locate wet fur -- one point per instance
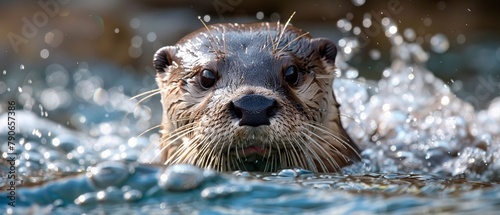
(197, 126)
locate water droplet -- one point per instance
(461, 39)
(410, 34)
(54, 38)
(260, 15)
(427, 22)
(21, 67)
(358, 2)
(181, 177)
(391, 30)
(206, 18)
(356, 30)
(117, 30)
(134, 52)
(5, 72)
(445, 100)
(374, 54)
(151, 36)
(136, 41)
(352, 73)
(274, 17)
(135, 23)
(367, 20)
(386, 21)
(44, 53)
(439, 43)
(441, 5)
(344, 25)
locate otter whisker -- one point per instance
(181, 147)
(289, 43)
(298, 159)
(179, 133)
(313, 155)
(150, 92)
(179, 156)
(342, 140)
(148, 130)
(323, 150)
(212, 157)
(213, 39)
(283, 31)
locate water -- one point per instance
(424, 149)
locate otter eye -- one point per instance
(207, 78)
(292, 75)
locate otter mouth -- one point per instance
(256, 158)
(253, 150)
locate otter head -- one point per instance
(251, 97)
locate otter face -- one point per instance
(254, 97)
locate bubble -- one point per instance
(52, 99)
(367, 20)
(391, 30)
(132, 195)
(461, 39)
(275, 17)
(427, 21)
(349, 16)
(347, 50)
(386, 21)
(56, 76)
(344, 25)
(117, 30)
(260, 15)
(108, 173)
(398, 40)
(54, 38)
(358, 2)
(439, 43)
(374, 54)
(101, 96)
(386, 73)
(151, 36)
(136, 41)
(352, 73)
(206, 18)
(44, 53)
(445, 100)
(410, 34)
(135, 23)
(356, 30)
(134, 52)
(181, 177)
(441, 5)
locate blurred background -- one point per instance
(123, 35)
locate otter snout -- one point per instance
(253, 110)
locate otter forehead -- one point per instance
(252, 54)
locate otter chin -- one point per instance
(254, 97)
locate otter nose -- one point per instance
(254, 110)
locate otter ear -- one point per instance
(163, 58)
(326, 49)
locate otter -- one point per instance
(253, 97)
